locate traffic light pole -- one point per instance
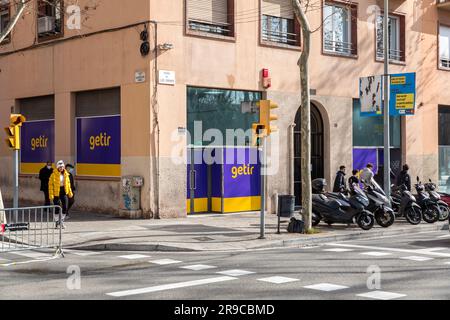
(387, 156)
(16, 178)
(262, 234)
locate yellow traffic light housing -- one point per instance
(265, 117)
(258, 131)
(17, 119)
(13, 137)
(13, 131)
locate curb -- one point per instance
(304, 241)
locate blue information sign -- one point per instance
(402, 94)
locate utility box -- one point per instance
(131, 197)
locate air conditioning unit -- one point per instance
(46, 24)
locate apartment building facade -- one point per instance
(121, 105)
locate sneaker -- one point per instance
(63, 226)
(57, 225)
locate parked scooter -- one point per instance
(332, 210)
(431, 187)
(405, 205)
(430, 209)
(380, 205)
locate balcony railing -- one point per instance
(445, 62)
(210, 27)
(443, 4)
(279, 37)
(394, 55)
(339, 47)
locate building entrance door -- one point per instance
(317, 150)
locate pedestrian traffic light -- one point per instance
(13, 131)
(265, 117)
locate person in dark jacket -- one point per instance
(71, 169)
(354, 178)
(339, 183)
(44, 176)
(404, 178)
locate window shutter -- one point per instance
(211, 11)
(354, 29)
(38, 108)
(402, 38)
(277, 8)
(444, 42)
(298, 32)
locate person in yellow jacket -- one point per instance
(60, 191)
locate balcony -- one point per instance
(443, 4)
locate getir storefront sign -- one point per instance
(99, 146)
(38, 145)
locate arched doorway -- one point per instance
(317, 149)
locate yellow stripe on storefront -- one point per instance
(200, 205)
(99, 170)
(31, 168)
(240, 204)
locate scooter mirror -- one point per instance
(417, 179)
(429, 180)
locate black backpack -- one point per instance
(296, 226)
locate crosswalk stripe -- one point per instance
(235, 272)
(134, 256)
(198, 267)
(338, 250)
(278, 280)
(355, 246)
(376, 254)
(165, 261)
(381, 295)
(171, 286)
(326, 287)
(416, 258)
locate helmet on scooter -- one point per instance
(319, 184)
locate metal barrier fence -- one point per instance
(30, 228)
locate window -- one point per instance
(444, 47)
(339, 29)
(50, 18)
(211, 16)
(396, 31)
(278, 24)
(444, 148)
(4, 16)
(219, 110)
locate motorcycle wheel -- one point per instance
(385, 218)
(365, 221)
(413, 215)
(445, 211)
(316, 219)
(431, 214)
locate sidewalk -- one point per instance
(233, 232)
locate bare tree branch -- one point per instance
(20, 8)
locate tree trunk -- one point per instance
(303, 64)
(19, 10)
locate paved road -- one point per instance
(411, 267)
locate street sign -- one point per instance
(371, 96)
(402, 94)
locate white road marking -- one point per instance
(278, 280)
(448, 262)
(170, 286)
(338, 250)
(437, 254)
(198, 267)
(325, 287)
(82, 253)
(29, 261)
(376, 254)
(134, 256)
(33, 255)
(431, 249)
(416, 258)
(381, 295)
(235, 272)
(444, 236)
(164, 262)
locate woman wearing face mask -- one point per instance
(71, 170)
(60, 192)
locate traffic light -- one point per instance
(258, 131)
(265, 117)
(13, 131)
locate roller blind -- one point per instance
(444, 42)
(97, 103)
(277, 8)
(212, 11)
(38, 108)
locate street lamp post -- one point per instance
(387, 157)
